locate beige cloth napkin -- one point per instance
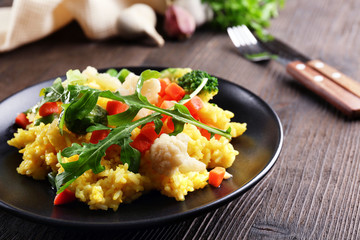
(30, 20)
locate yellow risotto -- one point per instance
(108, 138)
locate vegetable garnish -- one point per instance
(48, 108)
(192, 81)
(64, 197)
(216, 176)
(22, 120)
(80, 113)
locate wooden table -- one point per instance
(313, 191)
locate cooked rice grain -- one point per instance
(211, 152)
(39, 146)
(109, 188)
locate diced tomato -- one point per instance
(141, 143)
(48, 108)
(205, 133)
(64, 197)
(114, 107)
(98, 135)
(216, 176)
(194, 105)
(22, 120)
(145, 138)
(168, 125)
(174, 91)
(149, 131)
(163, 84)
(113, 149)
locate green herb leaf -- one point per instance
(255, 14)
(83, 112)
(52, 93)
(47, 119)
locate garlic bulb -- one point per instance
(139, 20)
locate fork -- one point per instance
(248, 46)
(335, 87)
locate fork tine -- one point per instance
(249, 35)
(235, 38)
(247, 44)
(232, 36)
(241, 34)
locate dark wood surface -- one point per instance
(313, 191)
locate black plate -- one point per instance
(259, 149)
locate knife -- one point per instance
(334, 86)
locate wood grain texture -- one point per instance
(313, 191)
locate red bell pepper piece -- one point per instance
(22, 120)
(216, 176)
(114, 107)
(98, 135)
(194, 105)
(64, 197)
(174, 91)
(48, 108)
(163, 84)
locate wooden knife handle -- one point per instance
(336, 95)
(336, 76)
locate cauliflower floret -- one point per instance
(150, 90)
(130, 83)
(169, 153)
(104, 80)
(123, 91)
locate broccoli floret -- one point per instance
(190, 81)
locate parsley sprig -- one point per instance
(256, 14)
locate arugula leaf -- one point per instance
(84, 112)
(52, 93)
(90, 154)
(120, 118)
(57, 92)
(47, 119)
